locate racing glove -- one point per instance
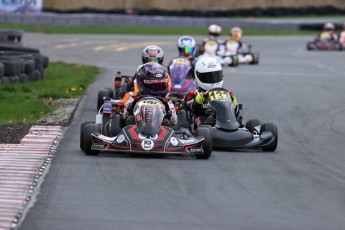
(199, 98)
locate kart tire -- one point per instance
(89, 129)
(274, 130)
(310, 46)
(234, 61)
(256, 58)
(250, 125)
(205, 131)
(115, 126)
(82, 130)
(101, 94)
(111, 92)
(105, 124)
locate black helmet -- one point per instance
(152, 79)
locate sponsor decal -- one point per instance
(159, 75)
(147, 144)
(98, 146)
(107, 107)
(173, 141)
(195, 150)
(120, 138)
(212, 65)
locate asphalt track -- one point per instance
(300, 186)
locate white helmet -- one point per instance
(208, 73)
(214, 30)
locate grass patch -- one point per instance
(23, 103)
(135, 30)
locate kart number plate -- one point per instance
(219, 95)
(181, 61)
(107, 107)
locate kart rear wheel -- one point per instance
(274, 130)
(205, 131)
(101, 95)
(89, 129)
(250, 125)
(82, 130)
(115, 126)
(256, 58)
(105, 124)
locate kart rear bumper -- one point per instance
(241, 138)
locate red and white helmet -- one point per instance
(329, 26)
(214, 30)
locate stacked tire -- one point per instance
(21, 64)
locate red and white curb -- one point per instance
(21, 165)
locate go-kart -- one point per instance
(181, 75)
(121, 85)
(212, 48)
(244, 54)
(323, 44)
(182, 80)
(227, 132)
(147, 135)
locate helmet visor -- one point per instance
(187, 51)
(210, 77)
(156, 86)
(153, 60)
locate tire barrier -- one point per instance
(21, 64)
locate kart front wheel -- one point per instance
(250, 125)
(82, 130)
(205, 131)
(89, 129)
(274, 130)
(256, 58)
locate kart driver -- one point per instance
(236, 34)
(186, 47)
(151, 53)
(152, 80)
(214, 32)
(328, 33)
(208, 75)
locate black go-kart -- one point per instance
(227, 131)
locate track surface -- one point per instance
(300, 186)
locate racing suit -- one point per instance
(202, 111)
(328, 36)
(170, 118)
